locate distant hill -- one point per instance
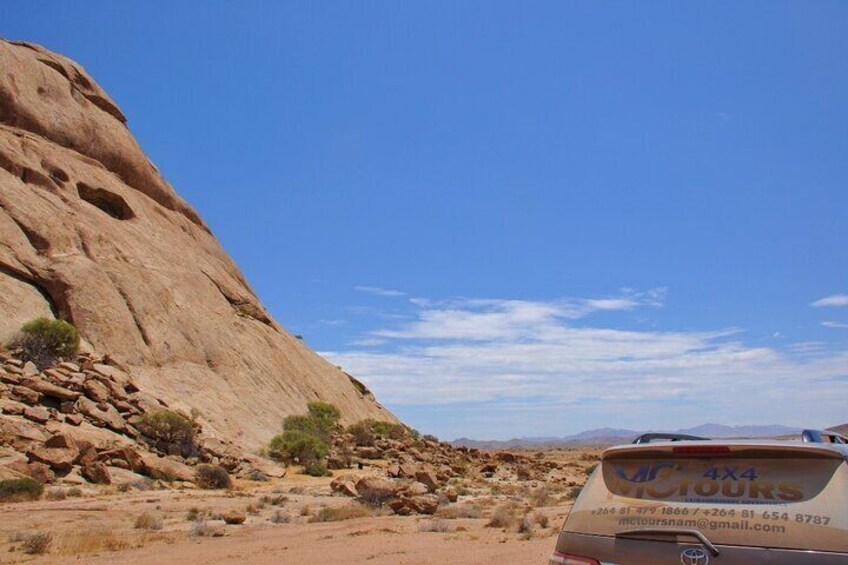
(843, 429)
(605, 436)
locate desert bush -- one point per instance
(541, 496)
(171, 430)
(202, 528)
(503, 516)
(361, 434)
(340, 513)
(212, 477)
(439, 526)
(37, 543)
(298, 445)
(366, 432)
(74, 492)
(148, 521)
(456, 511)
(55, 494)
(195, 514)
(325, 415)
(280, 517)
(16, 490)
(45, 341)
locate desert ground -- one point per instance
(293, 520)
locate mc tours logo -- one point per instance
(694, 556)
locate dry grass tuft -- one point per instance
(148, 521)
(204, 529)
(503, 516)
(340, 513)
(460, 511)
(55, 494)
(37, 543)
(439, 526)
(280, 517)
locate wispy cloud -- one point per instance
(832, 300)
(839, 325)
(524, 352)
(377, 291)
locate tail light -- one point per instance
(558, 558)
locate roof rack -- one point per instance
(651, 437)
(823, 436)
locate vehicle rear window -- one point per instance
(786, 502)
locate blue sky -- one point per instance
(513, 219)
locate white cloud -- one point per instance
(526, 352)
(377, 291)
(832, 300)
(839, 325)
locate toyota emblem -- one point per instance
(694, 556)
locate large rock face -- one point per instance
(91, 232)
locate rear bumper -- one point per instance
(609, 550)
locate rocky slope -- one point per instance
(92, 233)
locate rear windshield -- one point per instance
(790, 503)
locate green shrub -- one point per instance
(171, 430)
(45, 341)
(366, 432)
(325, 415)
(306, 438)
(16, 490)
(212, 477)
(297, 445)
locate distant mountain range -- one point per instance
(616, 435)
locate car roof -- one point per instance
(733, 444)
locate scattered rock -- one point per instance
(234, 517)
(37, 414)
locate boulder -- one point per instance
(427, 477)
(131, 458)
(40, 472)
(376, 489)
(95, 390)
(417, 488)
(108, 417)
(423, 504)
(166, 469)
(345, 484)
(59, 459)
(234, 517)
(50, 390)
(37, 414)
(20, 433)
(8, 406)
(91, 227)
(97, 473)
(26, 395)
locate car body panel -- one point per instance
(756, 501)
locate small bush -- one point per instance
(55, 494)
(361, 434)
(573, 493)
(212, 477)
(439, 526)
(280, 517)
(74, 492)
(366, 432)
(340, 513)
(300, 445)
(541, 497)
(325, 414)
(502, 517)
(195, 514)
(17, 490)
(171, 429)
(45, 341)
(148, 521)
(203, 529)
(37, 543)
(460, 511)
